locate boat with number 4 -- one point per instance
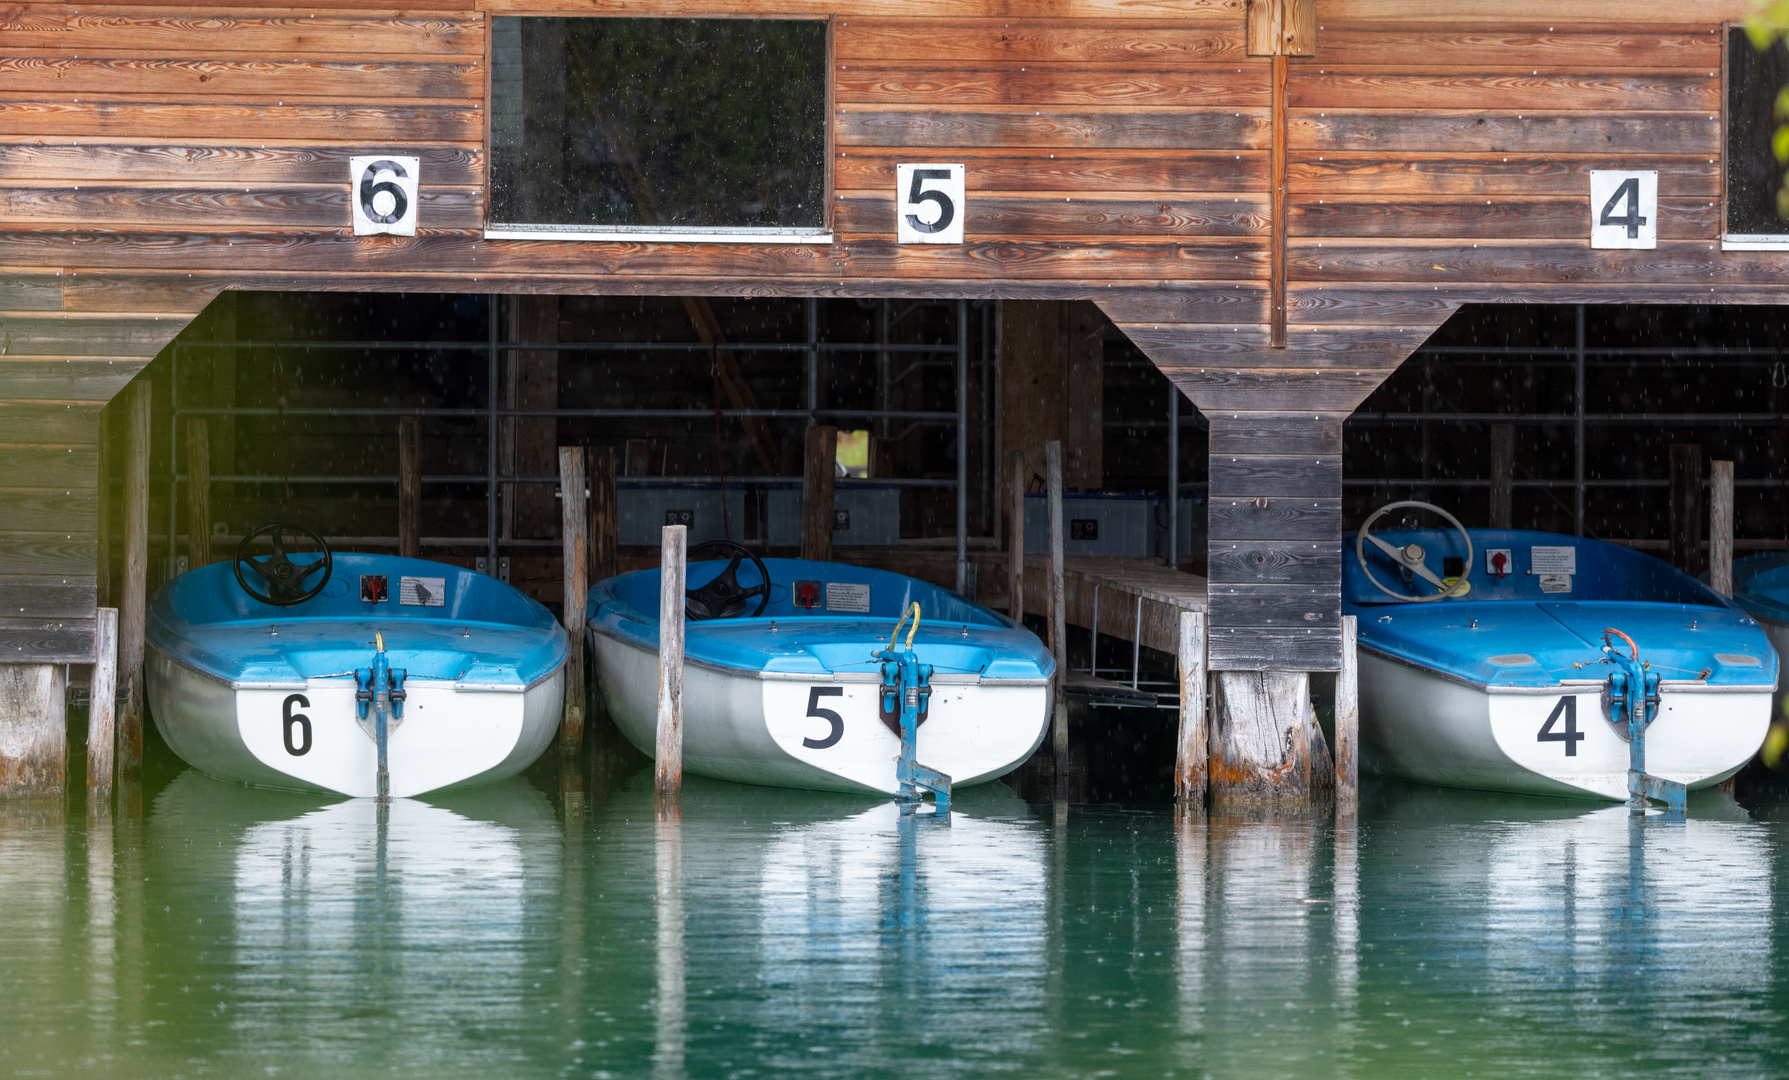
(791, 678)
(1511, 660)
(363, 675)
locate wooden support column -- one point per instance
(1503, 475)
(1015, 540)
(134, 588)
(1191, 749)
(1686, 509)
(817, 479)
(1720, 527)
(102, 710)
(198, 495)
(1058, 607)
(605, 514)
(33, 730)
(1260, 738)
(410, 487)
(576, 548)
(668, 748)
(1348, 722)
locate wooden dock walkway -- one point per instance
(1137, 600)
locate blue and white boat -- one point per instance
(1483, 662)
(288, 674)
(782, 683)
(1761, 587)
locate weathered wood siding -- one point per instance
(1127, 151)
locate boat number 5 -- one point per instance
(299, 721)
(1571, 736)
(838, 722)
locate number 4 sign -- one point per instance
(1624, 209)
(929, 204)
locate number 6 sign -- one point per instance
(382, 191)
(1624, 209)
(929, 204)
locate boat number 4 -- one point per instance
(1566, 710)
(815, 693)
(296, 723)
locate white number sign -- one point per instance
(1624, 209)
(382, 191)
(929, 204)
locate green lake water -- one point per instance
(518, 932)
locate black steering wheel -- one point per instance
(283, 577)
(1409, 558)
(722, 598)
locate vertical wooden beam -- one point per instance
(102, 554)
(410, 487)
(134, 589)
(1015, 540)
(1348, 722)
(102, 709)
(668, 749)
(1503, 472)
(33, 730)
(573, 521)
(1686, 508)
(1058, 605)
(1190, 755)
(198, 494)
(1720, 527)
(1277, 263)
(605, 515)
(1260, 738)
(816, 492)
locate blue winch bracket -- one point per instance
(906, 684)
(1633, 695)
(380, 690)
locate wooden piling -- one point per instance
(1189, 758)
(102, 547)
(817, 481)
(1015, 540)
(668, 750)
(1260, 739)
(605, 515)
(1503, 473)
(198, 494)
(1720, 527)
(102, 709)
(575, 545)
(410, 487)
(1058, 604)
(1686, 508)
(1347, 750)
(33, 730)
(134, 588)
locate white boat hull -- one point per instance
(750, 729)
(1418, 725)
(448, 738)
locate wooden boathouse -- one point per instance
(1276, 201)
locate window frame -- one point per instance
(674, 234)
(1731, 241)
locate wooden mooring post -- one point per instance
(410, 487)
(1058, 608)
(1015, 541)
(198, 494)
(1347, 750)
(134, 589)
(1191, 749)
(1720, 527)
(102, 713)
(817, 482)
(33, 730)
(1264, 741)
(668, 749)
(575, 545)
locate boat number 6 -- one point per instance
(299, 721)
(1571, 736)
(838, 722)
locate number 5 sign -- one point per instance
(929, 204)
(382, 191)
(1624, 209)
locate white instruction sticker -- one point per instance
(1555, 583)
(422, 591)
(843, 597)
(1553, 560)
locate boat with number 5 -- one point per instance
(362, 675)
(1500, 659)
(784, 674)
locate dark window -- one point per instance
(652, 125)
(1753, 175)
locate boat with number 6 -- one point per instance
(784, 675)
(1501, 659)
(362, 675)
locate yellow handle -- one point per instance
(379, 640)
(914, 629)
